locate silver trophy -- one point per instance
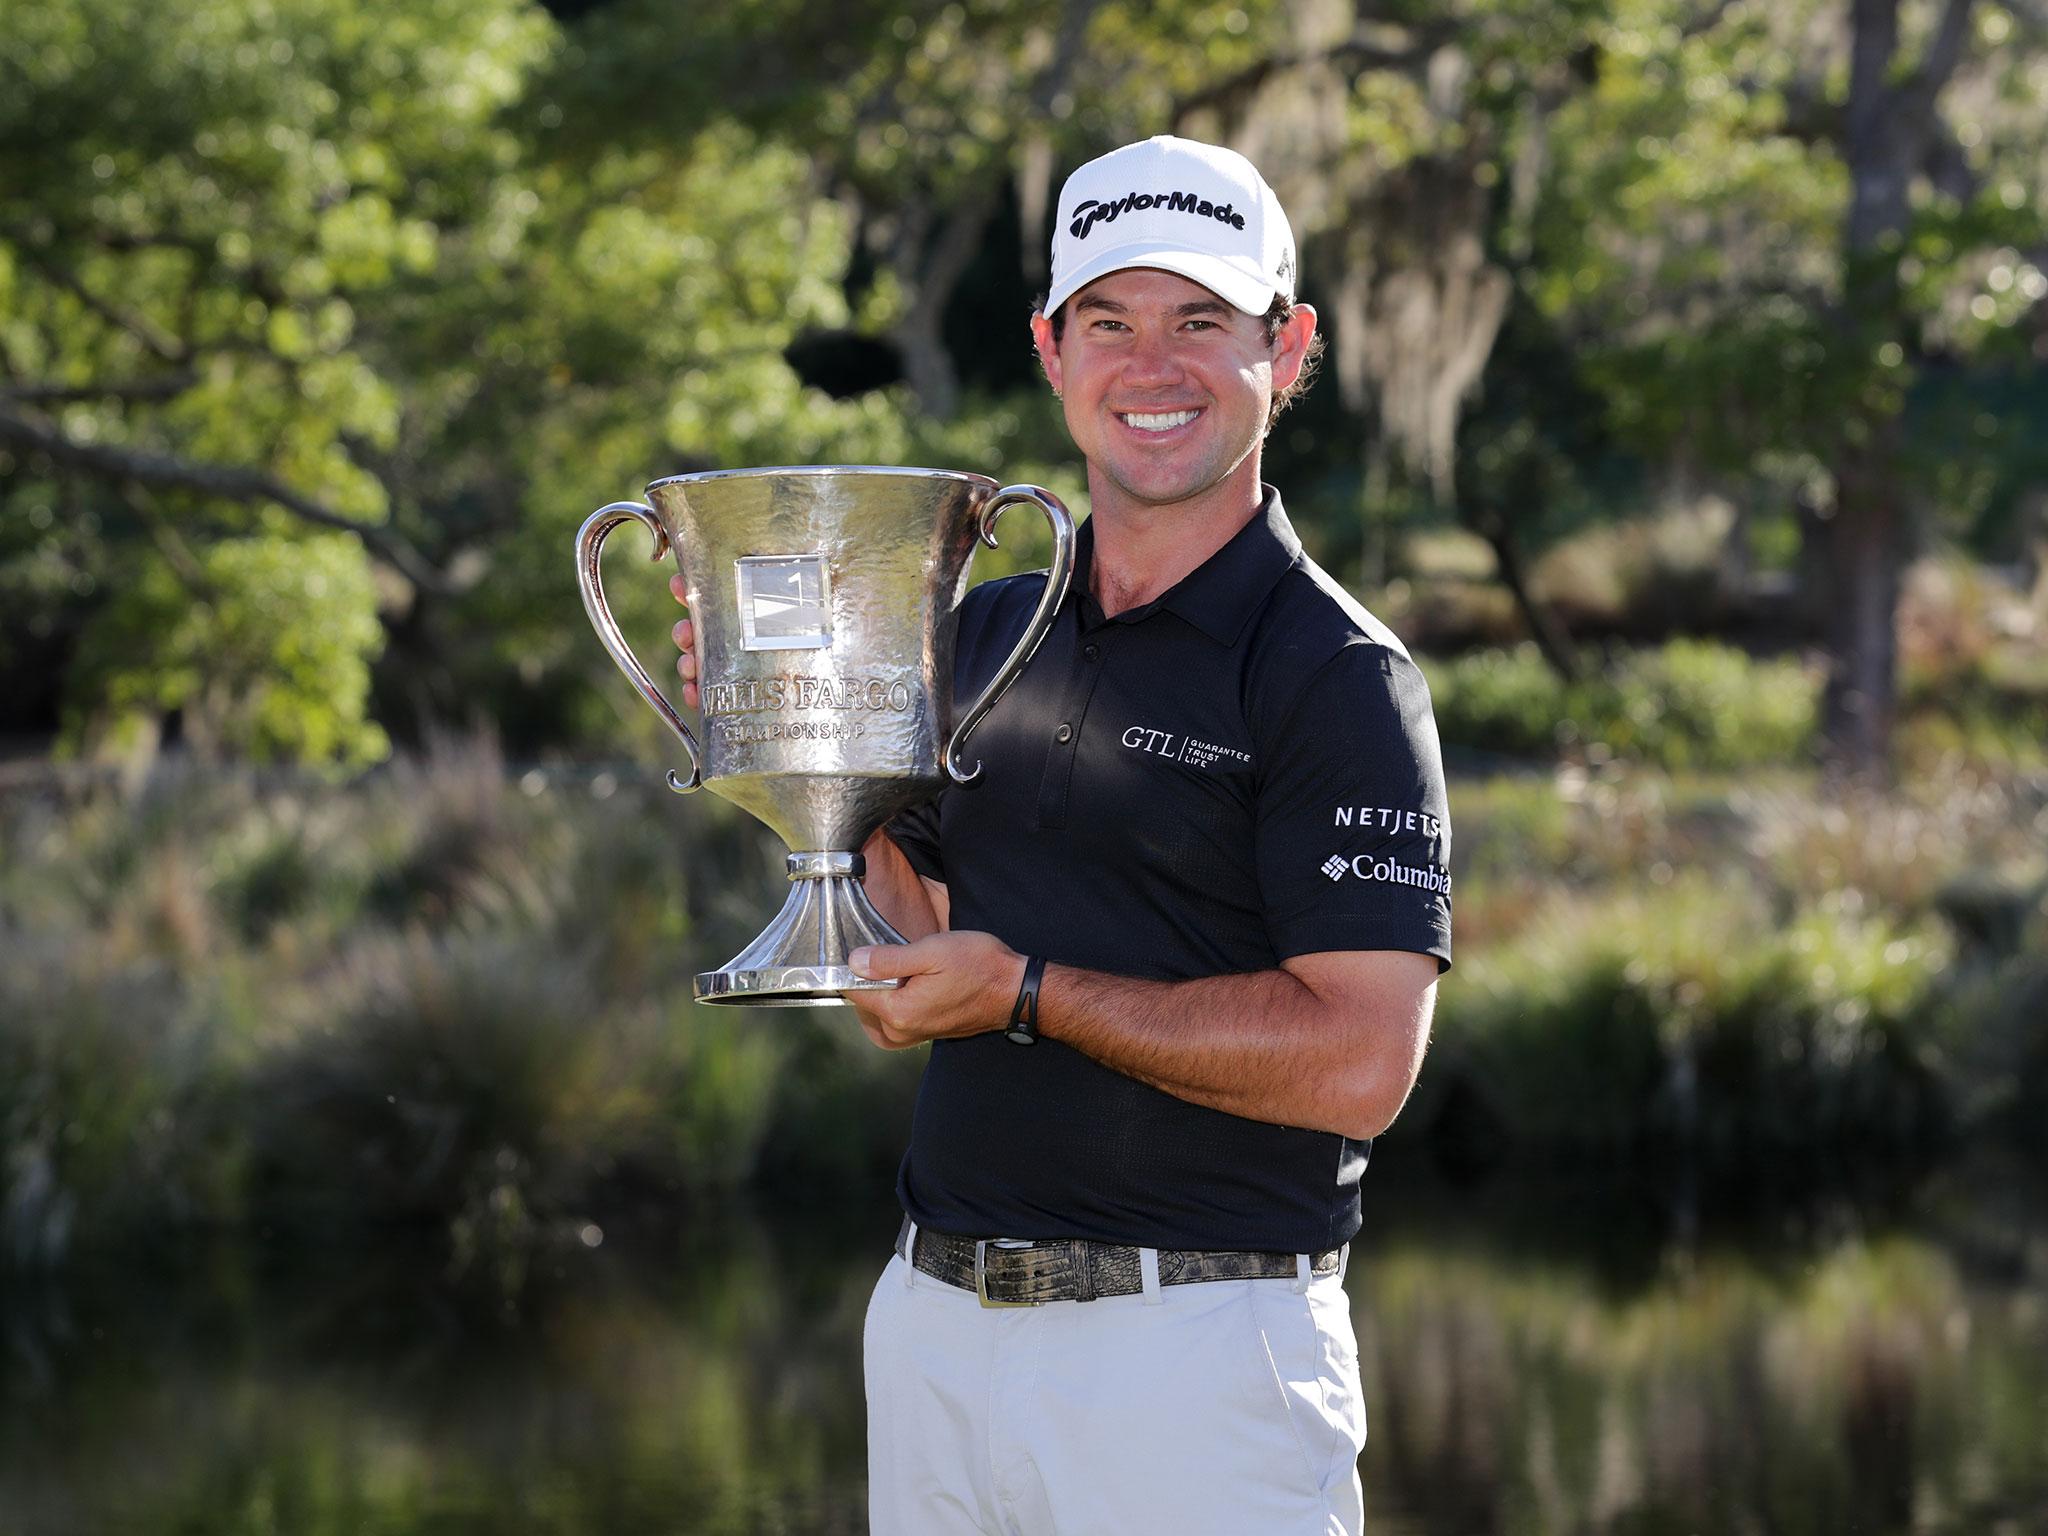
(825, 602)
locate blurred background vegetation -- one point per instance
(1685, 414)
(1687, 385)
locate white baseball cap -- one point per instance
(1195, 209)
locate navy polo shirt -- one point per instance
(1243, 770)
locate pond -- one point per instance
(1537, 1358)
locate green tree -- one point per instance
(1765, 229)
(272, 271)
(262, 647)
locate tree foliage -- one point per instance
(437, 278)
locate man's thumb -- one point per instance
(879, 962)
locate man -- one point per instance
(1176, 953)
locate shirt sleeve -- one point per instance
(916, 832)
(1354, 832)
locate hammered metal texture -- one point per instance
(794, 736)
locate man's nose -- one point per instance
(1152, 359)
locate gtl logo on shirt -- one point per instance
(1181, 749)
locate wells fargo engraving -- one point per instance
(769, 694)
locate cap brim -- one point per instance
(1238, 285)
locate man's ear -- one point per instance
(1290, 346)
(1049, 349)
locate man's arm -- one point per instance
(1328, 1042)
(914, 906)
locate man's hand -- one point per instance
(686, 642)
(953, 984)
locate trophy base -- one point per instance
(799, 961)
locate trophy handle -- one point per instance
(1056, 578)
(589, 544)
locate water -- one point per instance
(1536, 1361)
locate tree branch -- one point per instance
(1707, 19)
(1075, 16)
(177, 554)
(133, 467)
(145, 330)
(1360, 52)
(1943, 54)
(1947, 166)
(1810, 118)
(2032, 12)
(167, 387)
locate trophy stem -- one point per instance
(799, 961)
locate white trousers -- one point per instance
(1223, 1408)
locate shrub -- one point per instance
(1696, 704)
(1692, 1018)
(1688, 704)
(493, 1085)
(1498, 701)
(109, 1096)
(1985, 715)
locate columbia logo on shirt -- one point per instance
(1387, 872)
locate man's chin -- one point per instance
(1167, 488)
(1159, 497)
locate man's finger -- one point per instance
(683, 634)
(888, 962)
(677, 585)
(878, 1026)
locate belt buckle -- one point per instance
(981, 1279)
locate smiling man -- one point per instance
(1176, 953)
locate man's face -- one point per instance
(1167, 387)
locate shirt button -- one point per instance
(1092, 652)
(1064, 734)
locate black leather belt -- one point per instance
(1006, 1273)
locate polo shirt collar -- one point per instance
(1220, 595)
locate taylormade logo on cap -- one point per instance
(1087, 215)
(1194, 209)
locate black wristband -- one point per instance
(1023, 1026)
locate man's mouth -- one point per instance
(1157, 421)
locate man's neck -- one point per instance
(1141, 551)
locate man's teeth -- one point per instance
(1161, 423)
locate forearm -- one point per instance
(1265, 1045)
(907, 902)
(1328, 1042)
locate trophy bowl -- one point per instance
(825, 602)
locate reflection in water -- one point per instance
(1867, 1381)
